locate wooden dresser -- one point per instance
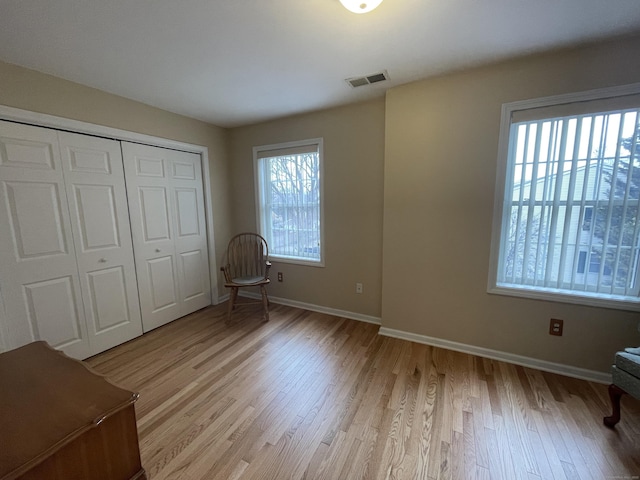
(60, 420)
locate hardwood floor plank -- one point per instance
(445, 462)
(436, 425)
(482, 452)
(549, 448)
(423, 436)
(561, 421)
(457, 456)
(469, 446)
(311, 396)
(517, 422)
(494, 397)
(360, 466)
(502, 451)
(570, 471)
(459, 380)
(542, 466)
(485, 406)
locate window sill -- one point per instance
(585, 299)
(296, 261)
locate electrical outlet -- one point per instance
(280, 277)
(358, 288)
(555, 327)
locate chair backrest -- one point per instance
(247, 255)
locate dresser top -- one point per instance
(47, 400)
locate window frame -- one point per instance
(501, 217)
(257, 150)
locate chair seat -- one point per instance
(625, 374)
(626, 381)
(252, 280)
(628, 362)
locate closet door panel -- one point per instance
(38, 271)
(109, 299)
(94, 179)
(51, 306)
(168, 224)
(161, 276)
(152, 226)
(36, 232)
(191, 237)
(96, 217)
(156, 244)
(193, 285)
(154, 214)
(187, 212)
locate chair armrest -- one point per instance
(266, 272)
(227, 274)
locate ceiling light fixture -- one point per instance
(360, 6)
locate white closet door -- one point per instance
(38, 271)
(94, 179)
(151, 213)
(166, 208)
(190, 229)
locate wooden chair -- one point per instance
(247, 265)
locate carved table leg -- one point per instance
(615, 393)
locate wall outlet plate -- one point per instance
(556, 327)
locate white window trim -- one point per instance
(258, 193)
(499, 219)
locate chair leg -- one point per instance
(265, 302)
(232, 301)
(615, 393)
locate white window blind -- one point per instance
(289, 194)
(570, 219)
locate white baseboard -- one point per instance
(222, 298)
(561, 369)
(314, 308)
(569, 371)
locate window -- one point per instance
(289, 200)
(567, 224)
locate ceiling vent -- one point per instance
(368, 79)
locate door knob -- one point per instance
(103, 260)
(157, 250)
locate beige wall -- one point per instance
(37, 92)
(353, 166)
(432, 146)
(439, 180)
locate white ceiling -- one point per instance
(236, 62)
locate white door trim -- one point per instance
(61, 123)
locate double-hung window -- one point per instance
(289, 200)
(567, 216)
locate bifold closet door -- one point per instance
(166, 207)
(39, 278)
(66, 257)
(94, 179)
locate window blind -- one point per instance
(585, 107)
(287, 151)
(572, 198)
(290, 200)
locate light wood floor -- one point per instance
(309, 395)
